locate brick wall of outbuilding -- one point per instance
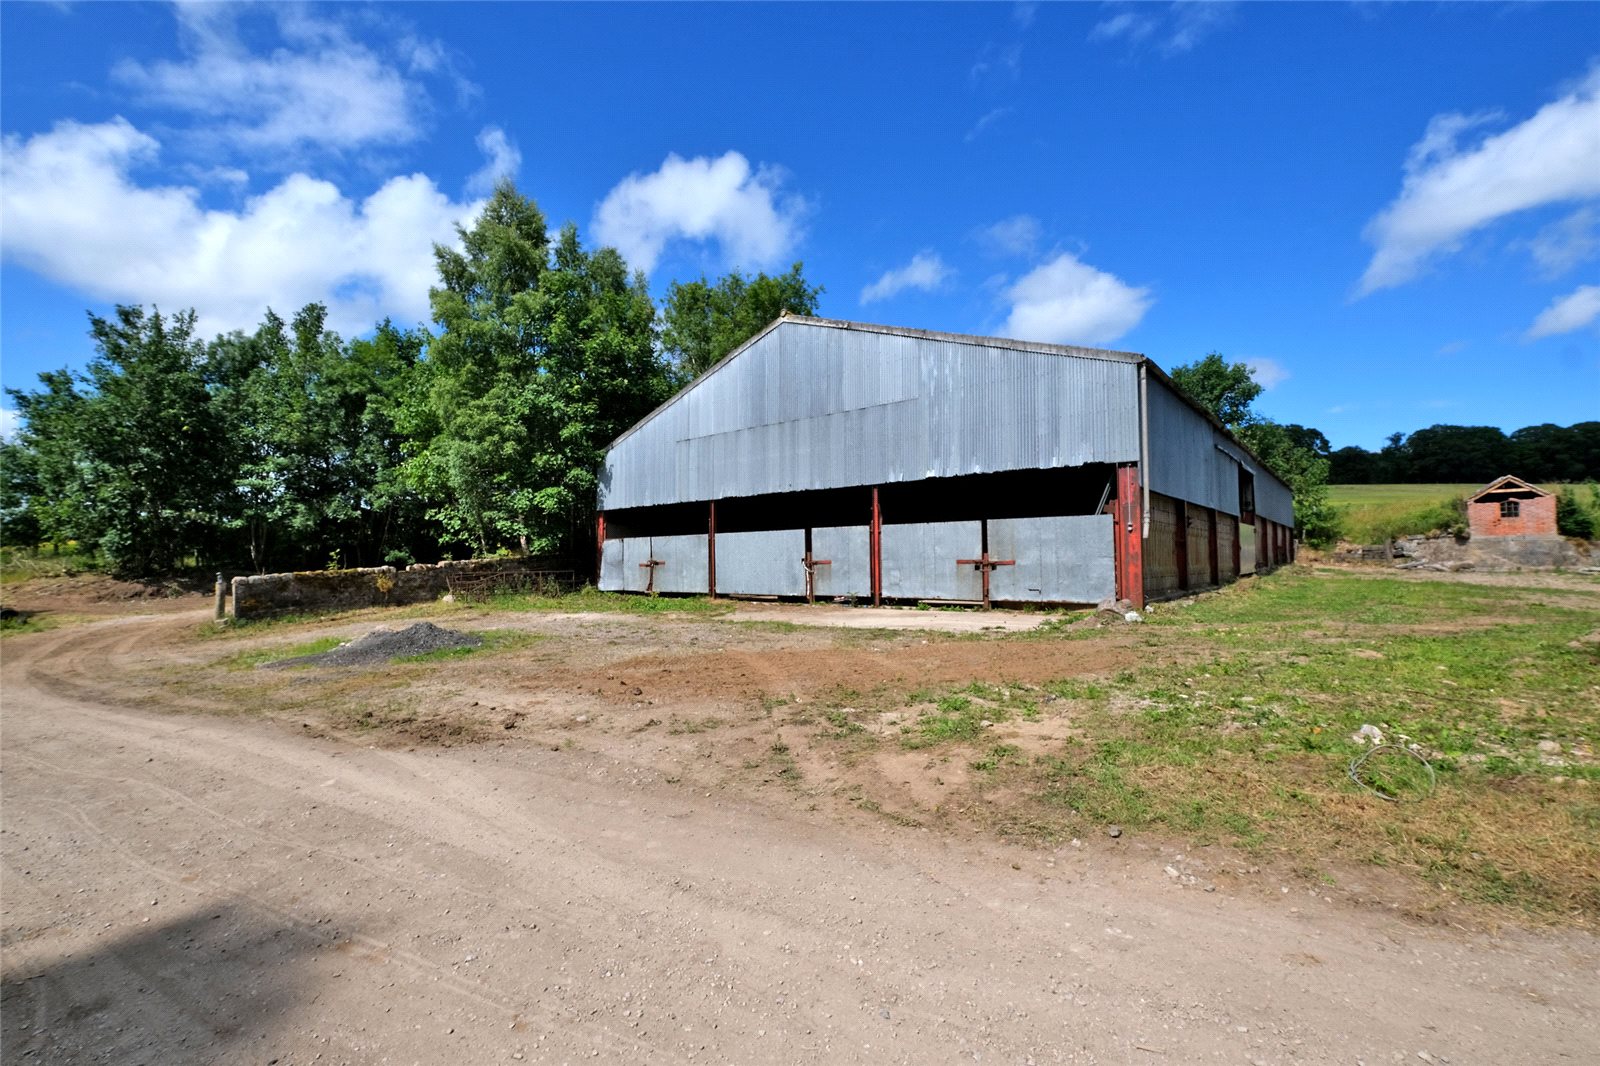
(1538, 518)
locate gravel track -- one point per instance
(197, 889)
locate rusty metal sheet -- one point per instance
(766, 563)
(1069, 559)
(919, 561)
(850, 550)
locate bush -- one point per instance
(1573, 519)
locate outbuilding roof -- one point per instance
(1507, 486)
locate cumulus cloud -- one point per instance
(74, 214)
(1268, 373)
(1017, 235)
(926, 271)
(1066, 301)
(323, 90)
(742, 208)
(1449, 192)
(501, 159)
(10, 422)
(1567, 313)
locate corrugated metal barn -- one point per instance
(828, 459)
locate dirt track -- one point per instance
(184, 888)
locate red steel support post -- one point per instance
(711, 552)
(1130, 536)
(599, 547)
(875, 541)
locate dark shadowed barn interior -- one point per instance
(827, 459)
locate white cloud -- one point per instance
(10, 422)
(324, 90)
(1192, 22)
(1129, 25)
(1567, 313)
(502, 158)
(1553, 157)
(1023, 14)
(1001, 62)
(1566, 243)
(1268, 373)
(1070, 302)
(1177, 30)
(72, 213)
(743, 209)
(1017, 235)
(926, 271)
(985, 122)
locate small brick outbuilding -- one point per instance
(1510, 507)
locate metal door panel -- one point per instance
(611, 577)
(850, 550)
(767, 563)
(683, 563)
(919, 561)
(1066, 559)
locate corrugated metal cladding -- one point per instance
(1190, 459)
(818, 405)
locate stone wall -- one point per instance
(334, 590)
(1492, 553)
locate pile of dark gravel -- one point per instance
(381, 645)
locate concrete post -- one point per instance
(222, 599)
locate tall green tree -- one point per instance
(1225, 389)
(131, 463)
(545, 353)
(702, 322)
(1300, 455)
(316, 450)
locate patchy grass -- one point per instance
(248, 660)
(591, 600)
(1237, 727)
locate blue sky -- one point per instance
(1392, 211)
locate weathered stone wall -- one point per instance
(1492, 553)
(334, 590)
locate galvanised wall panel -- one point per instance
(769, 563)
(850, 571)
(684, 563)
(1190, 459)
(815, 406)
(611, 579)
(919, 561)
(1273, 499)
(1059, 560)
(635, 550)
(1184, 461)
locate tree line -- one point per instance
(290, 447)
(1474, 455)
